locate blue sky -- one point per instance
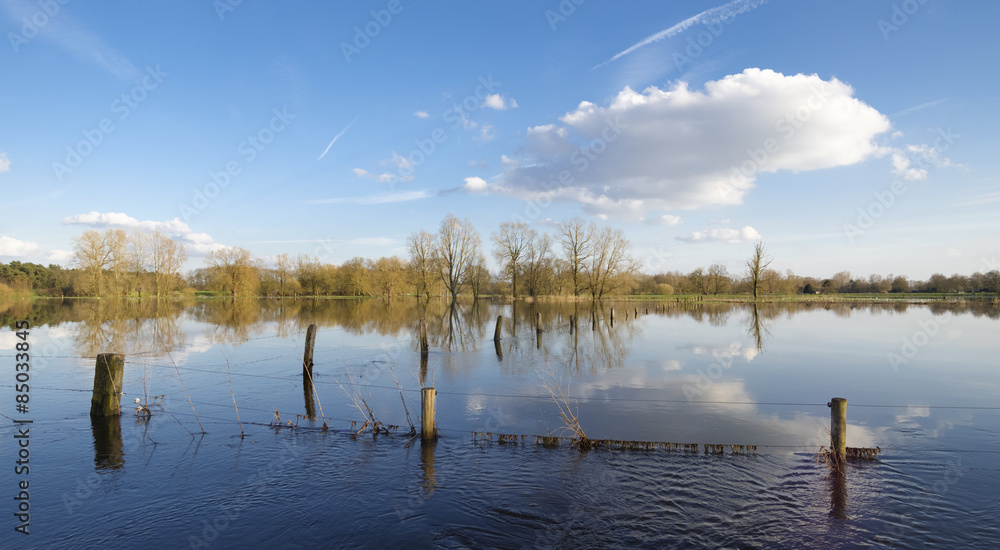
(857, 135)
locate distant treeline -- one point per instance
(580, 259)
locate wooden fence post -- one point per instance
(538, 322)
(108, 373)
(307, 357)
(838, 429)
(423, 337)
(428, 432)
(612, 317)
(496, 331)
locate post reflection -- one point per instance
(109, 453)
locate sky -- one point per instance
(857, 135)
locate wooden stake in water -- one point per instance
(423, 337)
(108, 373)
(307, 357)
(572, 322)
(538, 322)
(838, 429)
(428, 432)
(496, 331)
(593, 320)
(612, 317)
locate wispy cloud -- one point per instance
(422, 114)
(4, 163)
(723, 235)
(920, 107)
(381, 198)
(336, 137)
(75, 39)
(712, 15)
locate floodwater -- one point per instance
(921, 382)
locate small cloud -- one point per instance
(665, 219)
(474, 184)
(381, 178)
(60, 256)
(10, 246)
(953, 252)
(500, 103)
(671, 365)
(486, 133)
(724, 235)
(4, 163)
(422, 114)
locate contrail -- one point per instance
(712, 15)
(336, 137)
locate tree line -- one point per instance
(579, 259)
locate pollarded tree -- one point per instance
(457, 251)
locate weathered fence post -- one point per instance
(496, 331)
(428, 432)
(307, 357)
(538, 322)
(423, 337)
(107, 397)
(838, 428)
(593, 320)
(612, 317)
(571, 322)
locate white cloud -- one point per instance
(60, 256)
(9, 246)
(723, 235)
(422, 114)
(384, 177)
(923, 156)
(381, 198)
(336, 137)
(475, 183)
(665, 219)
(486, 133)
(197, 244)
(500, 103)
(4, 163)
(685, 149)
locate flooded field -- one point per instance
(921, 382)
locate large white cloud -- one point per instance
(9, 246)
(197, 244)
(684, 149)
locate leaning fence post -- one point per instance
(496, 331)
(307, 357)
(107, 397)
(838, 428)
(428, 431)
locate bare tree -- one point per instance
(234, 271)
(611, 264)
(166, 257)
(576, 238)
(479, 278)
(283, 267)
(458, 249)
(422, 251)
(538, 266)
(91, 254)
(757, 264)
(389, 275)
(510, 242)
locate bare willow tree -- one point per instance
(421, 245)
(510, 242)
(757, 264)
(166, 257)
(576, 237)
(611, 264)
(92, 256)
(457, 251)
(233, 270)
